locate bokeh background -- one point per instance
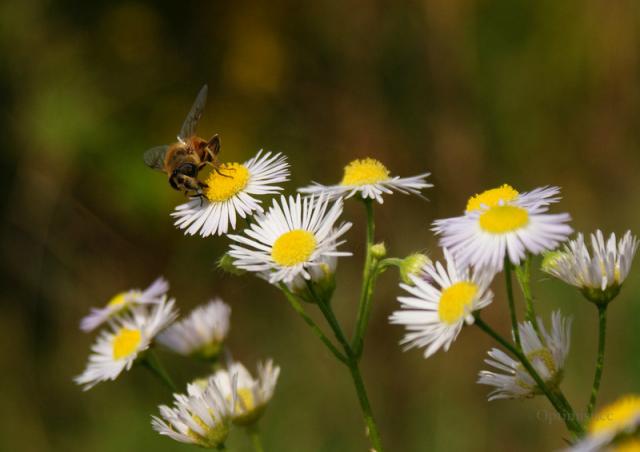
(478, 92)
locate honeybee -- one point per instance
(182, 160)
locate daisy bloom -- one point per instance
(229, 194)
(439, 306)
(370, 179)
(201, 333)
(501, 223)
(116, 349)
(599, 274)
(619, 419)
(253, 394)
(124, 300)
(547, 357)
(200, 417)
(294, 236)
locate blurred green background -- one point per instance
(477, 92)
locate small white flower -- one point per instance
(230, 194)
(201, 417)
(123, 301)
(370, 179)
(201, 333)
(611, 425)
(547, 358)
(294, 236)
(438, 308)
(502, 222)
(253, 395)
(117, 348)
(603, 270)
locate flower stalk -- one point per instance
(602, 333)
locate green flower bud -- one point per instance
(379, 250)
(226, 264)
(412, 265)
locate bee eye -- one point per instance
(188, 169)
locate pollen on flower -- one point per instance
(616, 416)
(492, 197)
(455, 301)
(502, 219)
(364, 171)
(293, 247)
(222, 187)
(126, 342)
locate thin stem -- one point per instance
(602, 332)
(523, 274)
(366, 292)
(356, 376)
(556, 397)
(151, 362)
(297, 306)
(256, 441)
(512, 305)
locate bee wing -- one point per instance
(191, 121)
(154, 157)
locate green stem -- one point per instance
(297, 306)
(256, 441)
(523, 274)
(602, 332)
(512, 305)
(556, 397)
(366, 292)
(356, 376)
(151, 362)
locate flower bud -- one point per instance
(378, 251)
(412, 265)
(226, 264)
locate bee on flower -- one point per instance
(201, 417)
(599, 274)
(438, 306)
(293, 237)
(200, 334)
(230, 193)
(125, 341)
(370, 179)
(121, 302)
(546, 351)
(502, 223)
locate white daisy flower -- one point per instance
(201, 417)
(370, 179)
(294, 236)
(547, 358)
(438, 307)
(611, 423)
(230, 194)
(123, 301)
(116, 349)
(502, 222)
(201, 333)
(599, 274)
(253, 394)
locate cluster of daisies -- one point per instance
(136, 321)
(295, 244)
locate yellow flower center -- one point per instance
(546, 357)
(126, 342)
(119, 300)
(222, 187)
(455, 301)
(492, 198)
(630, 445)
(501, 219)
(616, 416)
(213, 436)
(293, 247)
(245, 401)
(363, 172)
